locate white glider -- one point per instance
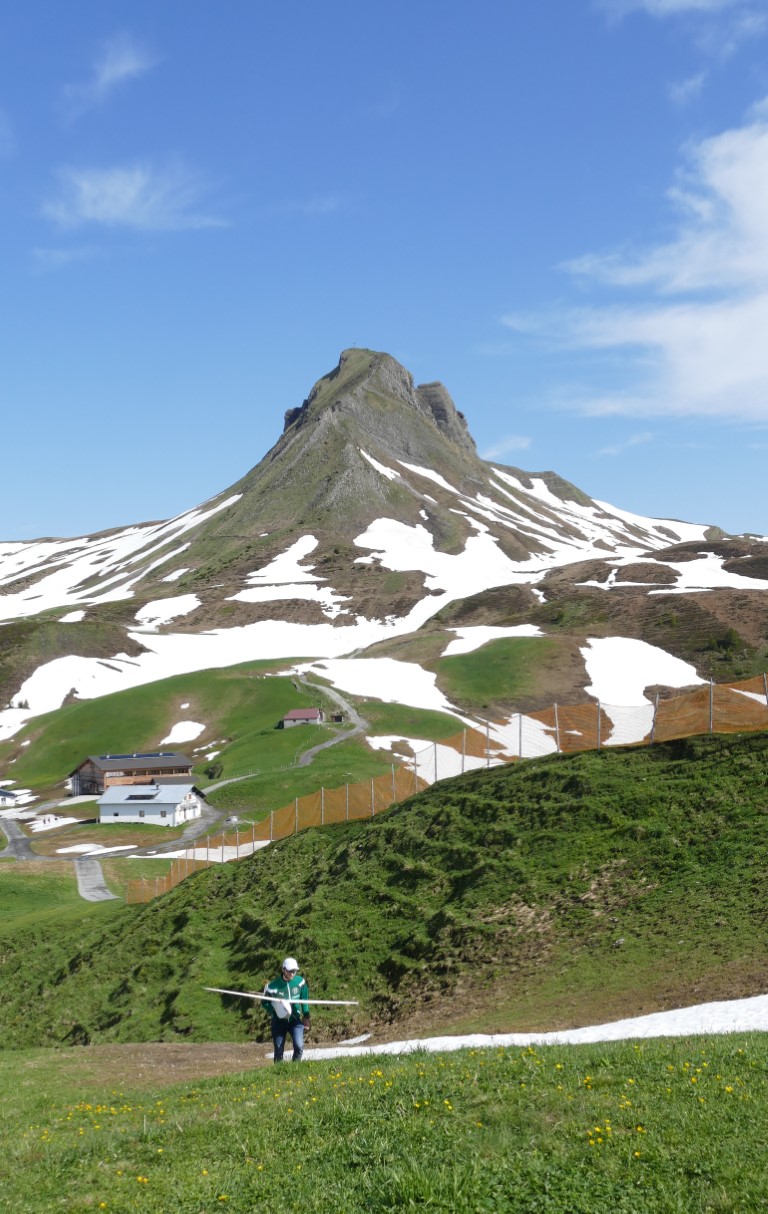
(219, 990)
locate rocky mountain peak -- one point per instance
(363, 377)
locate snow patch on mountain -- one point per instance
(183, 731)
(704, 572)
(164, 611)
(389, 473)
(385, 679)
(286, 567)
(481, 565)
(430, 475)
(330, 603)
(621, 668)
(668, 530)
(92, 569)
(707, 573)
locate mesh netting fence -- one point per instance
(738, 707)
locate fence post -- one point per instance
(296, 816)
(557, 731)
(155, 886)
(598, 724)
(711, 704)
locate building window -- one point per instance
(116, 814)
(163, 813)
(141, 813)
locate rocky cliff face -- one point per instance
(357, 388)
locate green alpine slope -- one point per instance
(555, 892)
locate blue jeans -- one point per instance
(280, 1029)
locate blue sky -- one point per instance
(559, 209)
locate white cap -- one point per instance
(290, 963)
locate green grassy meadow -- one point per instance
(34, 891)
(501, 672)
(410, 722)
(630, 1128)
(239, 704)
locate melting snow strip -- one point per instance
(729, 1016)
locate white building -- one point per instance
(153, 804)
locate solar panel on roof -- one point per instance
(142, 754)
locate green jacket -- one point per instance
(296, 988)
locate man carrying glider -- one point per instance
(289, 1009)
(287, 997)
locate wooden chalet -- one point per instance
(99, 772)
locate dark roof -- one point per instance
(302, 714)
(155, 760)
(6, 792)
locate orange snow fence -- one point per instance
(739, 707)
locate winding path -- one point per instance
(19, 846)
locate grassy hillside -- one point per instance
(33, 891)
(347, 763)
(631, 1128)
(497, 677)
(560, 891)
(237, 705)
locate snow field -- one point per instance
(728, 1016)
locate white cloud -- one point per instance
(722, 195)
(719, 27)
(510, 442)
(134, 196)
(684, 91)
(668, 8)
(121, 59)
(697, 339)
(634, 440)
